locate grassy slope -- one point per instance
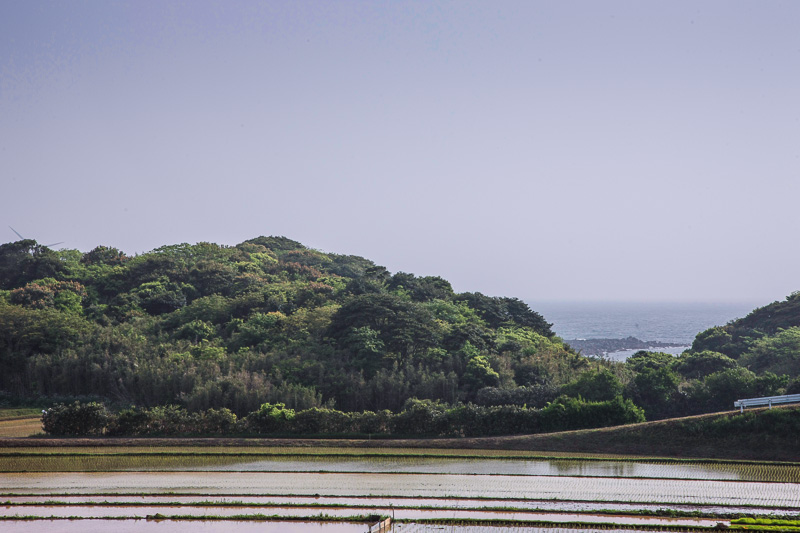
(687, 437)
(16, 413)
(725, 435)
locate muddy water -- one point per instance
(410, 485)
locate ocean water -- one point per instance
(648, 321)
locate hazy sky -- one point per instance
(545, 150)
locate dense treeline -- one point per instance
(210, 328)
(417, 418)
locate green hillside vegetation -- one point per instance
(757, 434)
(765, 341)
(269, 336)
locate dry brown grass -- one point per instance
(20, 427)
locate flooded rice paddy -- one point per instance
(366, 502)
(209, 462)
(267, 488)
(121, 511)
(408, 485)
(200, 526)
(193, 526)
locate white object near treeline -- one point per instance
(767, 400)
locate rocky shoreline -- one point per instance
(605, 346)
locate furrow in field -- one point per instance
(401, 514)
(387, 502)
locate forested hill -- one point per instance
(269, 321)
(766, 340)
(266, 320)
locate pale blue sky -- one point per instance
(545, 150)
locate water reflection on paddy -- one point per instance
(528, 467)
(408, 485)
(398, 464)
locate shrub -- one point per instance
(130, 422)
(270, 418)
(173, 421)
(574, 413)
(598, 385)
(322, 420)
(76, 419)
(420, 417)
(469, 420)
(371, 422)
(217, 422)
(695, 365)
(536, 395)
